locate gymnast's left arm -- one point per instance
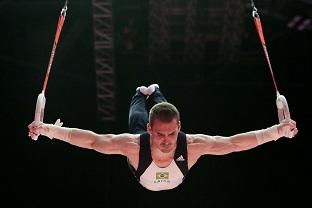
(202, 144)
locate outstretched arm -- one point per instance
(200, 144)
(122, 144)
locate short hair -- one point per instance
(164, 112)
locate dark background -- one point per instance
(215, 96)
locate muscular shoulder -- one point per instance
(132, 148)
(130, 144)
(135, 138)
(193, 139)
(197, 145)
(123, 144)
(129, 140)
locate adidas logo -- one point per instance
(181, 158)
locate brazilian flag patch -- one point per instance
(162, 175)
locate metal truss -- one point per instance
(159, 31)
(232, 32)
(104, 59)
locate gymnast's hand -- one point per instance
(287, 128)
(37, 128)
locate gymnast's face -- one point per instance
(164, 134)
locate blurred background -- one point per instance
(207, 58)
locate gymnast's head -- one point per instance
(164, 112)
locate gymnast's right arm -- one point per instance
(104, 143)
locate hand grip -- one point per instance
(39, 113)
(283, 112)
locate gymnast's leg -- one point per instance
(155, 96)
(138, 115)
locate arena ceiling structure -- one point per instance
(198, 38)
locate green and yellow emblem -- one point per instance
(162, 175)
